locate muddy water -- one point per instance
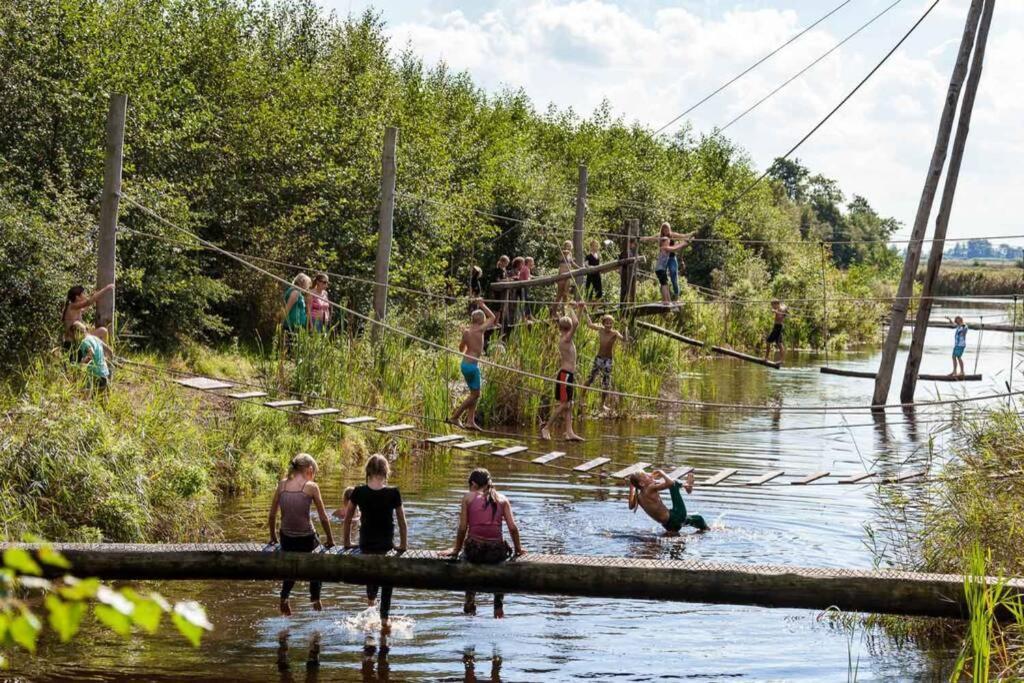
(547, 638)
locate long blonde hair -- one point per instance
(302, 281)
(300, 463)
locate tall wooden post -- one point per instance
(109, 205)
(634, 237)
(385, 224)
(963, 127)
(577, 226)
(924, 209)
(624, 253)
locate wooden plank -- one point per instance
(906, 476)
(671, 334)
(242, 395)
(948, 378)
(548, 457)
(572, 274)
(473, 444)
(447, 438)
(511, 450)
(746, 357)
(679, 472)
(591, 464)
(855, 478)
(765, 478)
(204, 383)
(626, 471)
(719, 478)
(284, 403)
(391, 429)
(809, 478)
(317, 412)
(849, 373)
(357, 420)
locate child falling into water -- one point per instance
(779, 313)
(959, 346)
(607, 335)
(472, 347)
(565, 380)
(645, 492)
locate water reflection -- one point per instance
(312, 667)
(469, 659)
(375, 665)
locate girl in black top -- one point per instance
(593, 286)
(379, 505)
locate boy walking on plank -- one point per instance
(566, 377)
(959, 345)
(472, 347)
(606, 338)
(645, 492)
(779, 311)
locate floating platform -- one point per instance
(864, 374)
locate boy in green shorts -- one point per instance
(645, 492)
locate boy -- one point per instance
(472, 347)
(565, 265)
(606, 338)
(90, 351)
(566, 377)
(645, 492)
(959, 345)
(779, 311)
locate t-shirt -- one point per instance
(960, 336)
(296, 318)
(377, 506)
(592, 260)
(474, 284)
(98, 365)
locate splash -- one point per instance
(368, 621)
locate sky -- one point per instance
(652, 59)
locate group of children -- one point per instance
(81, 344)
(307, 305)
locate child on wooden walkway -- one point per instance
(779, 313)
(566, 377)
(959, 345)
(472, 347)
(607, 335)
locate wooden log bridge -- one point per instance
(853, 590)
(867, 374)
(572, 274)
(723, 350)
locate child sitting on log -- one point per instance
(645, 492)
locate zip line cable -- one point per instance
(754, 66)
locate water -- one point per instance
(554, 638)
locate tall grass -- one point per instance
(979, 280)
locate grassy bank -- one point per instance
(959, 278)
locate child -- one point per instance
(295, 494)
(500, 274)
(475, 286)
(566, 378)
(525, 273)
(565, 265)
(74, 305)
(959, 345)
(779, 311)
(515, 272)
(295, 317)
(90, 353)
(645, 492)
(666, 250)
(346, 496)
(481, 514)
(319, 304)
(472, 347)
(673, 265)
(593, 288)
(379, 505)
(606, 338)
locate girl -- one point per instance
(672, 269)
(319, 304)
(339, 514)
(480, 537)
(294, 496)
(89, 352)
(295, 317)
(74, 305)
(593, 286)
(379, 505)
(666, 251)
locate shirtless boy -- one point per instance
(645, 492)
(566, 378)
(472, 347)
(606, 338)
(779, 311)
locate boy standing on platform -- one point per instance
(779, 311)
(566, 378)
(959, 345)
(472, 347)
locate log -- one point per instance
(552, 279)
(671, 334)
(848, 373)
(854, 590)
(746, 357)
(947, 378)
(992, 327)
(871, 375)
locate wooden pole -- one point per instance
(924, 209)
(624, 253)
(577, 226)
(634, 236)
(963, 128)
(106, 257)
(385, 224)
(824, 301)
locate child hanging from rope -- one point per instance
(959, 345)
(472, 347)
(74, 307)
(606, 338)
(779, 313)
(592, 288)
(566, 378)
(645, 492)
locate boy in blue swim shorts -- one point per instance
(472, 347)
(959, 345)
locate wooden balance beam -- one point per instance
(928, 378)
(746, 357)
(853, 590)
(992, 327)
(671, 334)
(572, 274)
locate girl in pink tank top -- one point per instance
(319, 304)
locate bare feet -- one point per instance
(573, 436)
(385, 627)
(475, 427)
(545, 433)
(499, 613)
(318, 606)
(370, 602)
(469, 607)
(688, 484)
(286, 609)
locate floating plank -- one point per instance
(950, 378)
(626, 471)
(864, 374)
(766, 477)
(548, 457)
(670, 334)
(357, 420)
(591, 464)
(809, 478)
(719, 478)
(855, 478)
(285, 403)
(747, 357)
(898, 479)
(390, 429)
(679, 472)
(316, 412)
(473, 444)
(242, 395)
(511, 450)
(204, 383)
(447, 438)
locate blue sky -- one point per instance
(653, 58)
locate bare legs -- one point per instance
(958, 364)
(563, 410)
(467, 407)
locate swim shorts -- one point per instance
(471, 371)
(564, 386)
(602, 366)
(775, 336)
(662, 277)
(958, 351)
(677, 517)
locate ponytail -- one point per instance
(481, 478)
(300, 462)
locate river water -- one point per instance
(554, 638)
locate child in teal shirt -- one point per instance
(92, 355)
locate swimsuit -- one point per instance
(604, 366)
(564, 382)
(775, 337)
(678, 518)
(471, 371)
(319, 310)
